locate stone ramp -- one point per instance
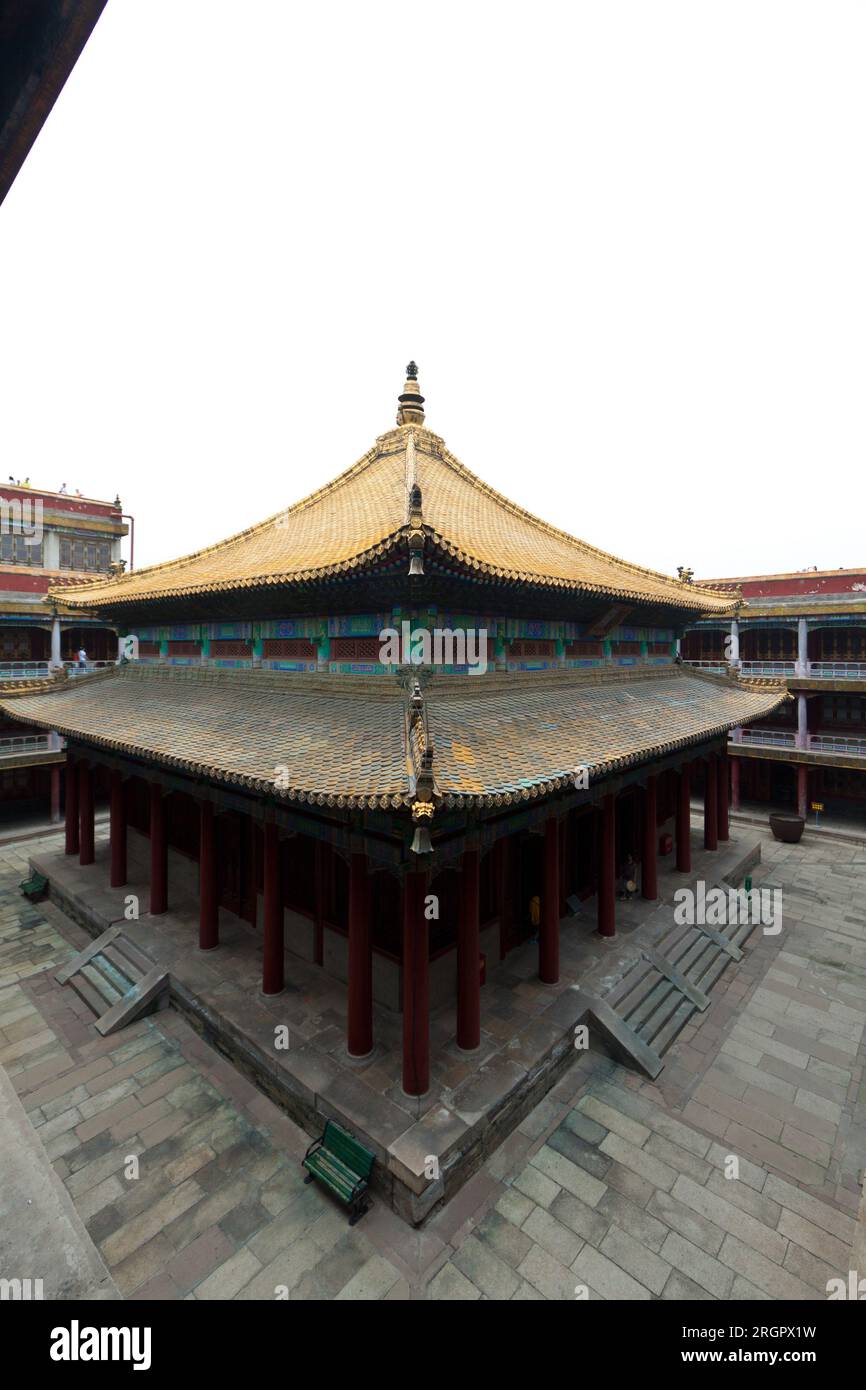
(46, 1251)
(116, 980)
(644, 1012)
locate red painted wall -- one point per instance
(769, 586)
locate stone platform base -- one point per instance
(292, 1046)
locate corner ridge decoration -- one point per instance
(419, 757)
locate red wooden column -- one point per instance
(321, 863)
(735, 783)
(71, 845)
(118, 831)
(684, 820)
(360, 1021)
(85, 813)
(55, 793)
(722, 786)
(802, 790)
(469, 953)
(649, 863)
(208, 921)
(548, 935)
(502, 851)
(158, 853)
(273, 962)
(711, 802)
(607, 868)
(416, 987)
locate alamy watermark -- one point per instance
(438, 646)
(734, 907)
(22, 517)
(21, 1290)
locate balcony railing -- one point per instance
(838, 670)
(75, 670)
(815, 743)
(838, 743)
(38, 670)
(777, 738)
(768, 668)
(12, 746)
(22, 670)
(821, 670)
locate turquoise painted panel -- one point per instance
(359, 624)
(291, 627)
(227, 630)
(289, 666)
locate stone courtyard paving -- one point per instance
(612, 1184)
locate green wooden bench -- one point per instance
(343, 1165)
(35, 887)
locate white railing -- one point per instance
(38, 670)
(838, 670)
(22, 670)
(779, 738)
(768, 668)
(838, 743)
(13, 745)
(718, 667)
(75, 670)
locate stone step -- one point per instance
(659, 991)
(119, 982)
(86, 991)
(116, 980)
(101, 983)
(621, 1040)
(70, 967)
(150, 992)
(124, 968)
(675, 1024)
(136, 957)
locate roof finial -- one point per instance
(411, 407)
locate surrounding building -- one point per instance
(809, 629)
(395, 822)
(48, 540)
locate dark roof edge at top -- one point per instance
(41, 43)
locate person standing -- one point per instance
(82, 659)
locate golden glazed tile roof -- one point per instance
(343, 741)
(364, 514)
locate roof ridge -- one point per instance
(457, 466)
(123, 581)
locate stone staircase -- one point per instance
(116, 981)
(640, 1017)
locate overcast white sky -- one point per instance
(626, 243)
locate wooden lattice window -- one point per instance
(148, 649)
(585, 649)
(625, 648)
(658, 648)
(355, 648)
(183, 649)
(525, 646)
(230, 647)
(288, 649)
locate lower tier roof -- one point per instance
(346, 741)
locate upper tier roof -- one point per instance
(408, 490)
